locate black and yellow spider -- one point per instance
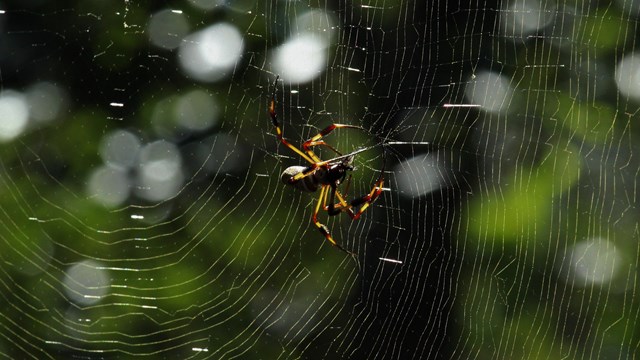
(325, 175)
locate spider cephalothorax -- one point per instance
(325, 175)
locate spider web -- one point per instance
(143, 213)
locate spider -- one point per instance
(325, 175)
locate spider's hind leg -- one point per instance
(335, 208)
(332, 209)
(363, 202)
(324, 230)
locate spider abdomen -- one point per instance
(323, 175)
(307, 183)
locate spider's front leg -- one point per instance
(317, 139)
(274, 119)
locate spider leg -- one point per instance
(324, 230)
(343, 205)
(346, 187)
(361, 203)
(276, 124)
(333, 208)
(366, 200)
(322, 143)
(336, 208)
(316, 140)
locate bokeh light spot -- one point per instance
(301, 59)
(86, 283)
(46, 101)
(159, 171)
(196, 110)
(210, 54)
(207, 4)
(523, 17)
(167, 29)
(419, 175)
(108, 186)
(628, 75)
(14, 114)
(120, 148)
(490, 90)
(594, 261)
